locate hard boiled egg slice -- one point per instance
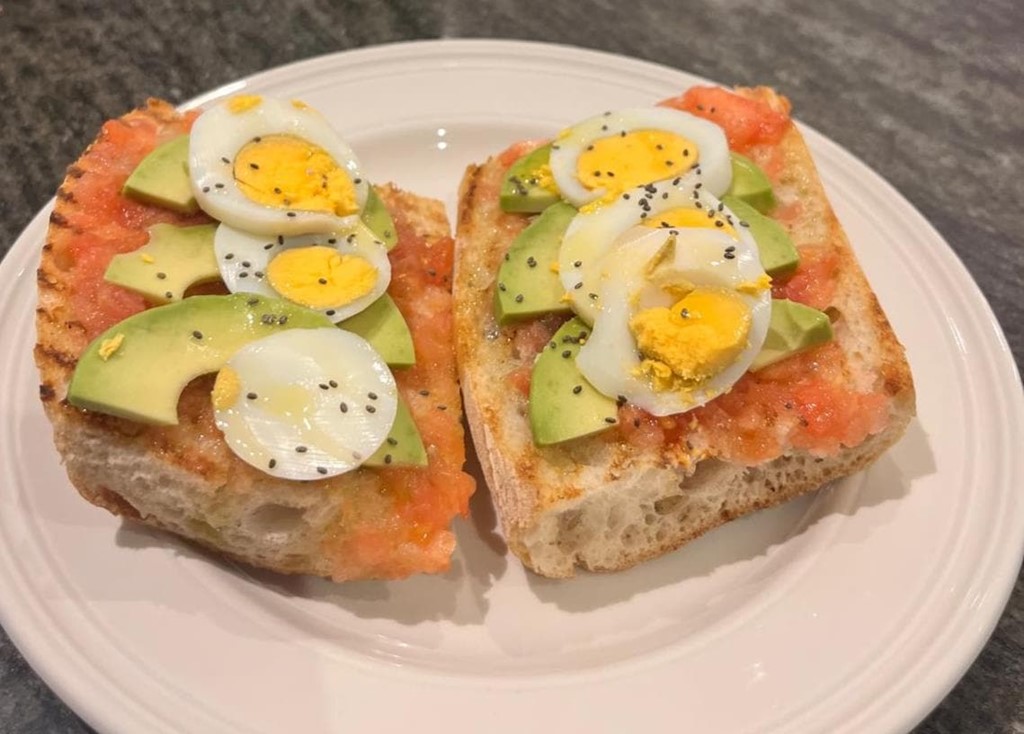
(684, 313)
(305, 403)
(677, 204)
(338, 274)
(272, 166)
(595, 162)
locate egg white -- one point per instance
(590, 236)
(713, 149)
(313, 403)
(219, 134)
(243, 257)
(609, 359)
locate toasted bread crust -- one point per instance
(186, 480)
(606, 505)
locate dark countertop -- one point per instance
(928, 94)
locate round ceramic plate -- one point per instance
(854, 610)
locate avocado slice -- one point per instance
(521, 191)
(778, 254)
(750, 184)
(378, 219)
(563, 405)
(527, 284)
(161, 178)
(403, 446)
(382, 324)
(793, 328)
(173, 259)
(138, 368)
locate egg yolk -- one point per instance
(694, 340)
(320, 277)
(621, 162)
(287, 172)
(684, 218)
(225, 389)
(244, 102)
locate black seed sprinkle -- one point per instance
(277, 190)
(246, 264)
(669, 163)
(592, 296)
(442, 407)
(519, 298)
(357, 181)
(218, 186)
(371, 395)
(370, 409)
(620, 400)
(685, 313)
(609, 420)
(604, 128)
(332, 383)
(597, 173)
(321, 470)
(577, 390)
(258, 273)
(730, 256)
(322, 281)
(225, 160)
(577, 264)
(698, 205)
(659, 146)
(743, 224)
(501, 287)
(330, 312)
(168, 294)
(578, 286)
(254, 166)
(424, 393)
(332, 241)
(272, 463)
(243, 274)
(251, 396)
(719, 223)
(665, 195)
(291, 214)
(253, 301)
(531, 261)
(387, 458)
(268, 246)
(197, 334)
(344, 407)
(324, 386)
(206, 189)
(590, 147)
(162, 276)
(636, 423)
(566, 354)
(230, 256)
(301, 449)
(392, 441)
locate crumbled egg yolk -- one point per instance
(621, 162)
(320, 277)
(754, 287)
(299, 104)
(543, 178)
(694, 340)
(284, 171)
(109, 346)
(684, 218)
(244, 102)
(226, 388)
(147, 258)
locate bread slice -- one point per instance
(369, 523)
(611, 500)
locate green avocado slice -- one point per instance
(162, 178)
(521, 191)
(403, 446)
(138, 368)
(173, 259)
(750, 184)
(527, 284)
(793, 328)
(563, 405)
(378, 219)
(778, 254)
(382, 324)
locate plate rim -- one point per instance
(1007, 563)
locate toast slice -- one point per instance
(368, 523)
(648, 485)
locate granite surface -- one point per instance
(928, 94)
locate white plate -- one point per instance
(852, 611)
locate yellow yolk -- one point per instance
(287, 172)
(694, 340)
(109, 346)
(684, 218)
(753, 287)
(621, 162)
(244, 102)
(226, 388)
(299, 104)
(321, 277)
(543, 178)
